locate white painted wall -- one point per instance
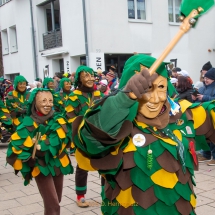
(109, 31)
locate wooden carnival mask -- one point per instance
(87, 79)
(151, 103)
(21, 86)
(67, 86)
(50, 85)
(44, 102)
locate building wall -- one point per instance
(109, 31)
(17, 13)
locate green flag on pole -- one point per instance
(188, 5)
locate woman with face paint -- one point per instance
(79, 101)
(60, 98)
(16, 100)
(144, 150)
(51, 161)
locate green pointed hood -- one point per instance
(18, 79)
(64, 80)
(46, 81)
(133, 65)
(79, 70)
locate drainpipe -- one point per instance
(52, 14)
(34, 42)
(85, 32)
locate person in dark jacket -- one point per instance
(207, 93)
(184, 88)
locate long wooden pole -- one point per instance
(38, 135)
(185, 26)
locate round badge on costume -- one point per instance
(139, 140)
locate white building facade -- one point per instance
(42, 37)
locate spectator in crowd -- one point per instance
(175, 71)
(184, 88)
(207, 93)
(204, 69)
(112, 82)
(198, 85)
(8, 88)
(58, 76)
(103, 87)
(185, 74)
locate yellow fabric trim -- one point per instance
(61, 133)
(167, 140)
(64, 161)
(116, 151)
(184, 105)
(125, 198)
(35, 124)
(79, 128)
(16, 121)
(60, 102)
(71, 120)
(97, 93)
(141, 124)
(5, 110)
(69, 108)
(199, 116)
(193, 200)
(164, 178)
(15, 93)
(178, 134)
(35, 172)
(17, 165)
(21, 99)
(43, 137)
(73, 98)
(72, 145)
(213, 117)
(61, 121)
(15, 136)
(77, 92)
(83, 162)
(62, 148)
(16, 151)
(3, 117)
(130, 147)
(28, 142)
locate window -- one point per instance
(174, 13)
(56, 19)
(5, 47)
(13, 39)
(137, 9)
(3, 2)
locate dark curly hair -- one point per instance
(183, 84)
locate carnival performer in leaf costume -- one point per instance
(60, 98)
(79, 101)
(146, 155)
(17, 100)
(49, 134)
(48, 83)
(5, 123)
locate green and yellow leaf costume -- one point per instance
(156, 178)
(16, 102)
(52, 158)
